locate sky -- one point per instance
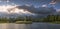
(34, 7)
(36, 3)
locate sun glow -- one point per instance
(4, 8)
(16, 10)
(12, 9)
(9, 8)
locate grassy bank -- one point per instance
(30, 22)
(23, 22)
(17, 22)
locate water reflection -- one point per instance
(18, 26)
(30, 26)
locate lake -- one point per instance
(29, 26)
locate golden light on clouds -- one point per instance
(12, 9)
(4, 8)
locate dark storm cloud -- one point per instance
(57, 0)
(40, 10)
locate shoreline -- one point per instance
(31, 23)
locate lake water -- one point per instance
(30, 26)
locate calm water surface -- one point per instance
(30, 26)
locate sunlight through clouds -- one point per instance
(44, 5)
(4, 8)
(11, 8)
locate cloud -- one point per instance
(58, 10)
(57, 0)
(40, 10)
(5, 1)
(44, 5)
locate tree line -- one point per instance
(52, 18)
(49, 18)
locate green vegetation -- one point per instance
(23, 22)
(3, 20)
(18, 20)
(52, 18)
(49, 19)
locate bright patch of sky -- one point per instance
(36, 3)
